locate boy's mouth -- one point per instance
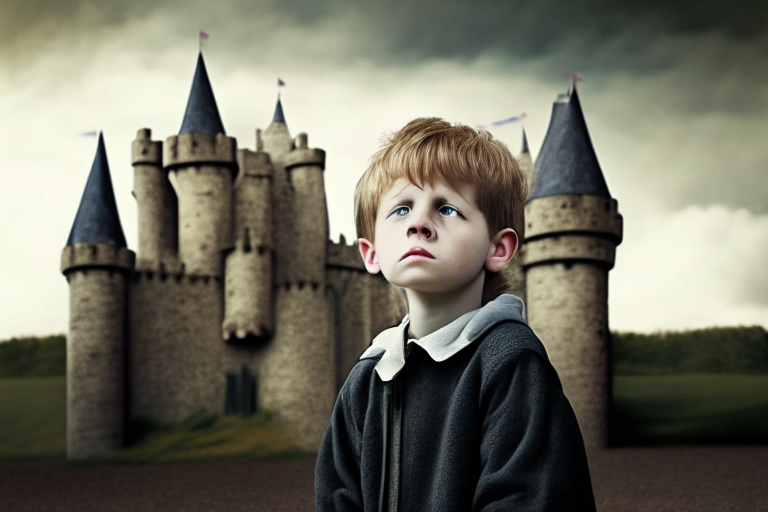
(417, 251)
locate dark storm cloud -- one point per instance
(589, 36)
(695, 60)
(418, 29)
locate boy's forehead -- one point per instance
(402, 185)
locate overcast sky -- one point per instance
(675, 98)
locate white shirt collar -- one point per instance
(446, 341)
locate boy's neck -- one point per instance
(429, 312)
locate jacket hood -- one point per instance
(446, 341)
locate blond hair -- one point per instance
(430, 148)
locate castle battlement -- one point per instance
(302, 154)
(83, 255)
(196, 148)
(144, 150)
(573, 213)
(341, 255)
(571, 227)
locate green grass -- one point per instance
(647, 410)
(689, 409)
(206, 437)
(33, 417)
(33, 424)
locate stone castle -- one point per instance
(235, 274)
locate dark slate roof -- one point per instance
(567, 163)
(279, 117)
(525, 143)
(202, 114)
(97, 220)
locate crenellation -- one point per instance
(573, 213)
(144, 150)
(85, 255)
(305, 157)
(341, 255)
(195, 148)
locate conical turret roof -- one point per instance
(97, 220)
(525, 143)
(567, 163)
(202, 114)
(279, 117)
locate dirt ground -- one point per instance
(626, 479)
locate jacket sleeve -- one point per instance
(532, 453)
(337, 473)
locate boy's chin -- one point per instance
(434, 288)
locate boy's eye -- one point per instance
(401, 211)
(448, 211)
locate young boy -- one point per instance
(458, 407)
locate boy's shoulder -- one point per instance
(508, 341)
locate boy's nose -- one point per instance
(423, 230)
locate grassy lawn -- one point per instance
(646, 410)
(33, 424)
(690, 409)
(33, 417)
(205, 437)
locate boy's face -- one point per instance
(431, 239)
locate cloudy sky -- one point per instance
(675, 98)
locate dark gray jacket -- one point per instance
(479, 423)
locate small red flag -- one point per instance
(280, 82)
(203, 34)
(577, 78)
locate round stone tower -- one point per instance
(157, 205)
(248, 285)
(310, 214)
(203, 160)
(572, 228)
(96, 264)
(297, 379)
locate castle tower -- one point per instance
(572, 230)
(526, 162)
(96, 262)
(297, 378)
(305, 168)
(276, 140)
(248, 297)
(158, 207)
(204, 164)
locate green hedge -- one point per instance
(714, 350)
(34, 357)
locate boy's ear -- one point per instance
(503, 247)
(368, 252)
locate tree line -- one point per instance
(713, 350)
(34, 356)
